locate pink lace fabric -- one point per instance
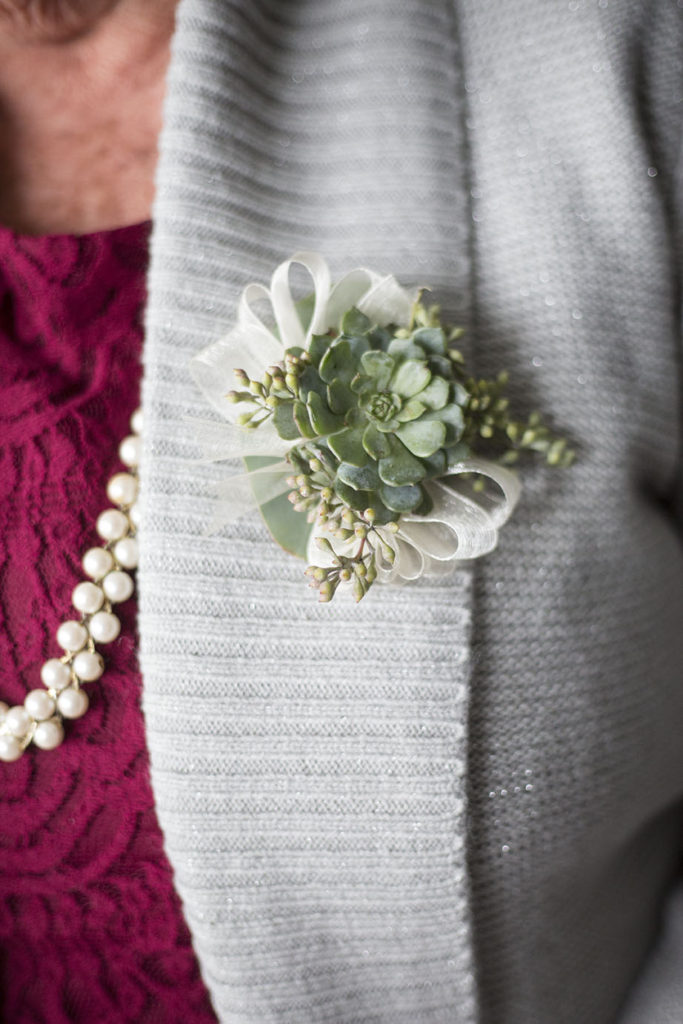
(91, 929)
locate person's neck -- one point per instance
(80, 112)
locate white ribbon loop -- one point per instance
(387, 303)
(458, 528)
(287, 317)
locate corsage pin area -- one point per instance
(361, 431)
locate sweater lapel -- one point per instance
(308, 761)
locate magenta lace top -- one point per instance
(91, 929)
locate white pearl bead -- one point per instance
(126, 552)
(97, 562)
(118, 586)
(55, 674)
(10, 748)
(134, 514)
(18, 721)
(72, 635)
(87, 598)
(48, 735)
(104, 627)
(122, 489)
(112, 524)
(129, 450)
(4, 708)
(136, 422)
(88, 666)
(72, 703)
(40, 705)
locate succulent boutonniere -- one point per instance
(362, 431)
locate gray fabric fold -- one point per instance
(578, 661)
(658, 996)
(308, 762)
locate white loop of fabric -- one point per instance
(459, 527)
(386, 302)
(287, 318)
(463, 524)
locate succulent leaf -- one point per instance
(379, 337)
(436, 463)
(302, 420)
(355, 499)
(362, 384)
(378, 365)
(409, 378)
(400, 467)
(435, 395)
(355, 323)
(361, 478)
(425, 506)
(310, 381)
(323, 420)
(411, 410)
(337, 362)
(461, 395)
(439, 365)
(347, 445)
(452, 416)
(287, 526)
(458, 453)
(318, 347)
(358, 346)
(375, 442)
(401, 499)
(404, 348)
(355, 418)
(339, 396)
(422, 438)
(431, 339)
(283, 421)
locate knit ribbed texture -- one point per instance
(578, 682)
(308, 760)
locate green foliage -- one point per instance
(374, 413)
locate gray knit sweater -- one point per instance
(458, 801)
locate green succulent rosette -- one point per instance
(361, 431)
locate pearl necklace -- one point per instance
(40, 718)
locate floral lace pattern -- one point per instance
(91, 928)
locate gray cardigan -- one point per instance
(458, 801)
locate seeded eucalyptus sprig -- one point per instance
(373, 414)
(488, 419)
